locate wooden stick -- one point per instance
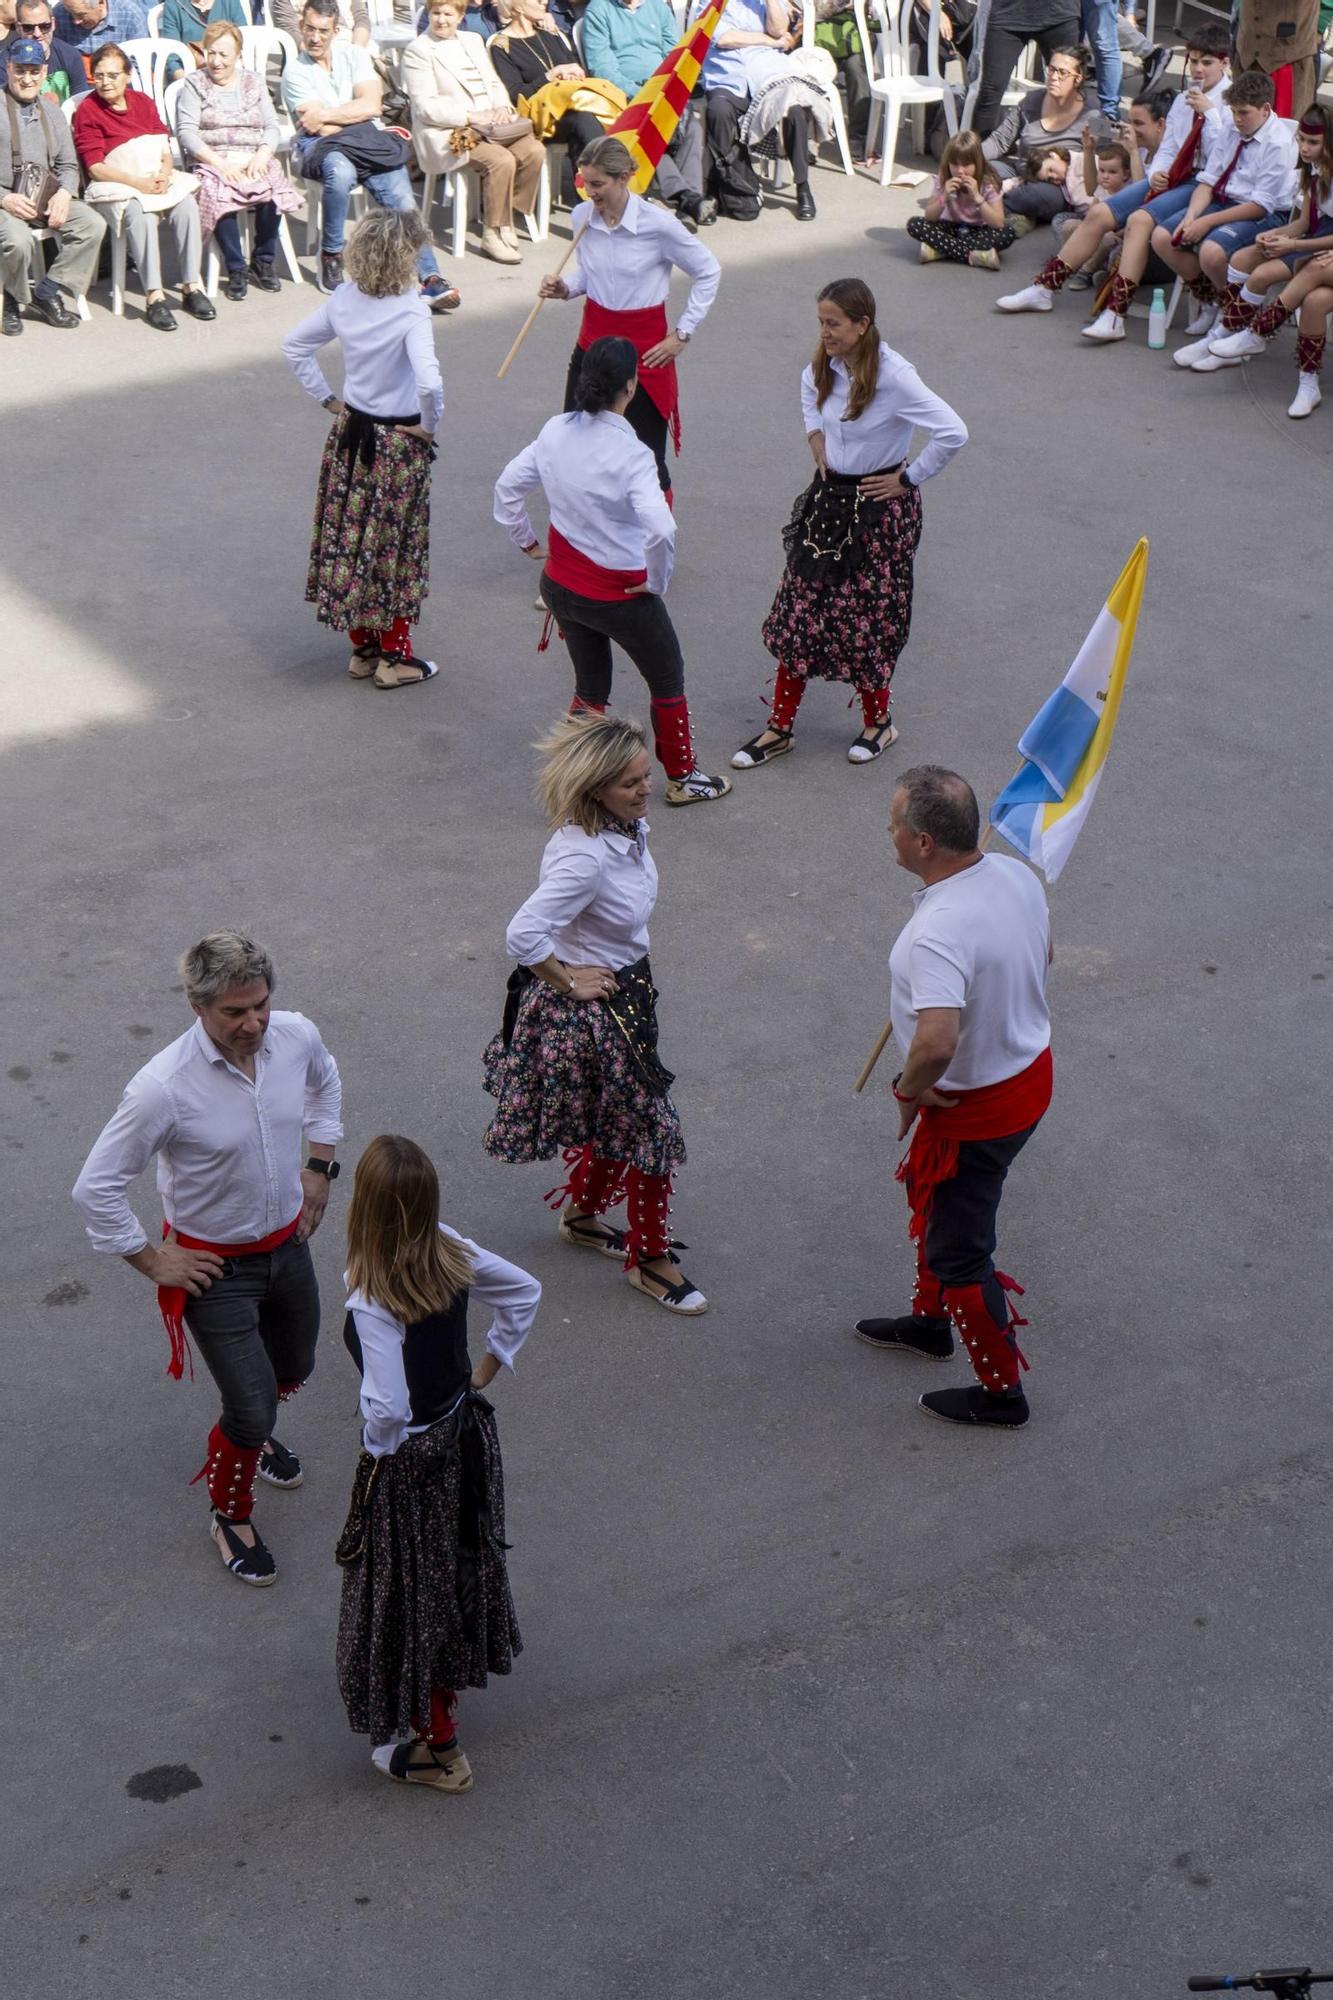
(524, 330)
(882, 1043)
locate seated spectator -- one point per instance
(1052, 114)
(186, 20)
(1192, 123)
(1310, 293)
(1276, 253)
(624, 41)
(88, 25)
(1246, 186)
(461, 111)
(747, 51)
(65, 73)
(963, 220)
(529, 54)
(1110, 164)
(228, 134)
(41, 173)
(353, 19)
(125, 151)
(335, 99)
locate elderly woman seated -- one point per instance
(124, 149)
(529, 52)
(461, 112)
(228, 133)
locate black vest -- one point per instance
(435, 1360)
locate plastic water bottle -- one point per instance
(1157, 319)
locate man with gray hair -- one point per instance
(968, 1007)
(225, 1109)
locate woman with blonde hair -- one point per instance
(370, 551)
(627, 251)
(229, 138)
(575, 1066)
(532, 55)
(426, 1607)
(843, 609)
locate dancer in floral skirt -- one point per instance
(426, 1608)
(844, 607)
(575, 1066)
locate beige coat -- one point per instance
(446, 83)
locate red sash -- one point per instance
(171, 1298)
(993, 1112)
(643, 329)
(567, 565)
(1183, 164)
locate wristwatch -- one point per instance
(683, 338)
(329, 1168)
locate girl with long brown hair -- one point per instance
(426, 1607)
(843, 609)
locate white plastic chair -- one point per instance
(155, 21)
(114, 211)
(41, 234)
(459, 183)
(895, 86)
(212, 272)
(148, 59)
(258, 48)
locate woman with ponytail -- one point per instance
(844, 607)
(628, 249)
(611, 546)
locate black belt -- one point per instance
(855, 478)
(358, 438)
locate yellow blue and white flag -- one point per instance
(1042, 809)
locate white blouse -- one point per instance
(628, 267)
(882, 435)
(592, 902)
(602, 491)
(389, 363)
(386, 1408)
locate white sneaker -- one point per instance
(1106, 326)
(1238, 345)
(1032, 299)
(1307, 397)
(1185, 357)
(1204, 320)
(1212, 361)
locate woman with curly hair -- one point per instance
(575, 1066)
(370, 551)
(844, 607)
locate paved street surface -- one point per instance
(818, 1699)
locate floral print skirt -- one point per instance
(567, 1079)
(843, 609)
(370, 552)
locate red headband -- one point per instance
(1313, 128)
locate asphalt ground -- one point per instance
(817, 1698)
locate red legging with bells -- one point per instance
(788, 689)
(596, 1184)
(394, 642)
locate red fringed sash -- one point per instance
(171, 1298)
(644, 329)
(992, 1112)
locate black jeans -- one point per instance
(256, 1327)
(722, 124)
(960, 1236)
(643, 417)
(641, 627)
(999, 56)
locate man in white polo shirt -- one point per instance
(968, 984)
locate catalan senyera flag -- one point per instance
(1042, 809)
(648, 120)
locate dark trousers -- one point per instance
(1037, 200)
(643, 417)
(227, 231)
(641, 627)
(999, 56)
(960, 1236)
(256, 1328)
(722, 124)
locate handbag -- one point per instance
(36, 184)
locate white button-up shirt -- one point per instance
(882, 435)
(629, 267)
(592, 902)
(1180, 123)
(229, 1151)
(602, 492)
(1264, 173)
(513, 1296)
(389, 363)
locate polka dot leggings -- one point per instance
(955, 240)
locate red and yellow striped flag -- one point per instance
(648, 120)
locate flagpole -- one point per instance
(503, 369)
(887, 1030)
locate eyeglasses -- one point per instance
(37, 27)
